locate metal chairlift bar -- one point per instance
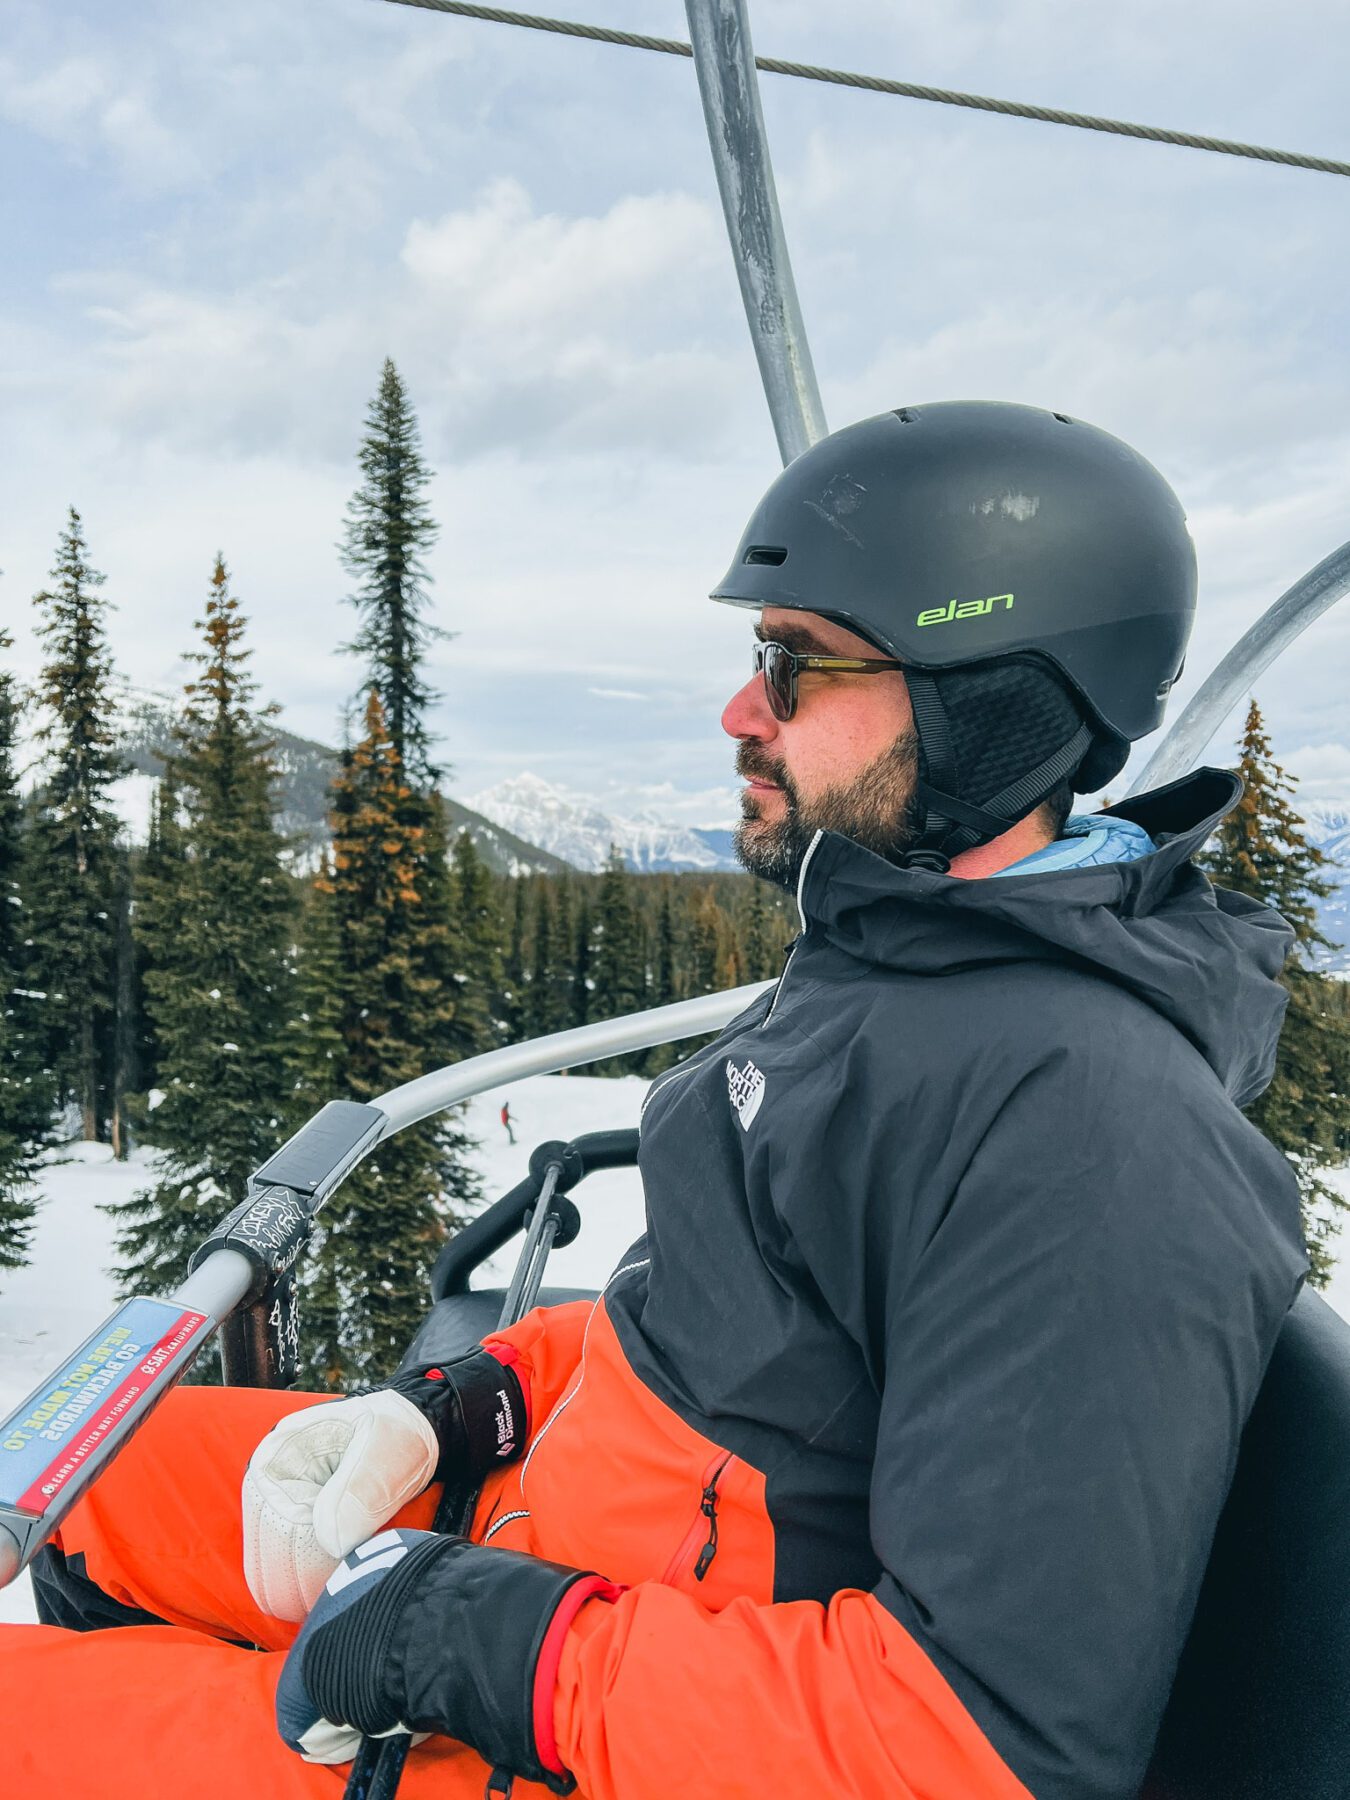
(432, 1093)
(1223, 688)
(725, 64)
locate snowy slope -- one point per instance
(571, 826)
(47, 1308)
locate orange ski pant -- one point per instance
(145, 1712)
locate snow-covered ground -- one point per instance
(46, 1308)
(65, 1291)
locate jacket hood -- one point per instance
(1205, 958)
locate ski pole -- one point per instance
(378, 1766)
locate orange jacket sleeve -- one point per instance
(656, 1695)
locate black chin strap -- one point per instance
(952, 825)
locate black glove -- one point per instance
(423, 1633)
(476, 1406)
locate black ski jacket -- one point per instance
(961, 1241)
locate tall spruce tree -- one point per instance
(1262, 849)
(761, 934)
(616, 958)
(215, 922)
(480, 927)
(664, 977)
(389, 528)
(76, 855)
(396, 1019)
(515, 981)
(547, 1010)
(411, 999)
(707, 945)
(27, 1092)
(314, 1059)
(583, 980)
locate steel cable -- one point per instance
(878, 84)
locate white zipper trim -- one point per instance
(563, 1405)
(556, 1414)
(627, 1269)
(801, 912)
(506, 1519)
(801, 875)
(664, 1081)
(773, 1004)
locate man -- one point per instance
(889, 1462)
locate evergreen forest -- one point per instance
(204, 993)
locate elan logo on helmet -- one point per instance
(963, 609)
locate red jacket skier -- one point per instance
(889, 1461)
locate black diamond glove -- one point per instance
(435, 1634)
(476, 1407)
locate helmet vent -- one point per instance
(773, 554)
(1064, 418)
(906, 415)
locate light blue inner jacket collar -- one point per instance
(1087, 840)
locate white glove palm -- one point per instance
(320, 1483)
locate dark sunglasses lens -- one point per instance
(776, 664)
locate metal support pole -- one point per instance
(1251, 656)
(724, 58)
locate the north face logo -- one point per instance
(746, 1089)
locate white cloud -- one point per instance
(79, 103)
(506, 268)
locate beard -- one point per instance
(878, 809)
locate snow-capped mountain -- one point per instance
(575, 829)
(1329, 828)
(144, 724)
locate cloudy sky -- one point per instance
(217, 222)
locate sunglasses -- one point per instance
(780, 667)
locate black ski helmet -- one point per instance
(1034, 574)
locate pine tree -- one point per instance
(215, 922)
(565, 943)
(75, 853)
(761, 943)
(616, 958)
(1262, 850)
(583, 981)
(453, 1001)
(159, 870)
(480, 927)
(514, 993)
(664, 990)
(313, 1057)
(27, 1092)
(389, 528)
(547, 1010)
(397, 1014)
(707, 945)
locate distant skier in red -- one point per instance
(506, 1120)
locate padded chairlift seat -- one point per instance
(455, 1325)
(1261, 1705)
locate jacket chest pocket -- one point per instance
(726, 1548)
